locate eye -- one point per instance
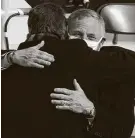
(91, 37)
(77, 34)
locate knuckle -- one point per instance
(70, 99)
(61, 96)
(41, 53)
(70, 108)
(47, 63)
(65, 91)
(31, 53)
(71, 92)
(29, 64)
(24, 62)
(37, 54)
(33, 60)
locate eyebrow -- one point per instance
(77, 32)
(91, 35)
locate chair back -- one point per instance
(119, 18)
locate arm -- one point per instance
(116, 67)
(110, 120)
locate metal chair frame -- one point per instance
(19, 12)
(115, 38)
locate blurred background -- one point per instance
(17, 26)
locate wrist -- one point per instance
(91, 117)
(10, 57)
(89, 109)
(92, 113)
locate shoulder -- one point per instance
(115, 49)
(27, 44)
(71, 42)
(73, 45)
(118, 50)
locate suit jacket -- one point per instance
(106, 77)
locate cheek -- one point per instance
(70, 31)
(73, 37)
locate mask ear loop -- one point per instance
(100, 43)
(103, 40)
(68, 35)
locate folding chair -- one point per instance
(18, 12)
(119, 18)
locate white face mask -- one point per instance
(93, 44)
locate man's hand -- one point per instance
(73, 100)
(32, 57)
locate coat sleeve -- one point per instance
(4, 61)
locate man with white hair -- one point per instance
(108, 80)
(86, 24)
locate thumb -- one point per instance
(85, 1)
(77, 86)
(39, 45)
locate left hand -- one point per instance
(72, 100)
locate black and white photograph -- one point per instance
(67, 69)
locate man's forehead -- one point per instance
(86, 22)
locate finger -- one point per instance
(36, 65)
(60, 102)
(85, 1)
(42, 62)
(39, 45)
(65, 107)
(45, 57)
(76, 85)
(60, 96)
(63, 91)
(45, 53)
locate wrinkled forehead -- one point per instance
(88, 25)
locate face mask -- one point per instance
(93, 44)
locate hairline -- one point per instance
(88, 13)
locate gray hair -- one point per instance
(82, 13)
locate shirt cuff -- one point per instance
(90, 119)
(4, 61)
